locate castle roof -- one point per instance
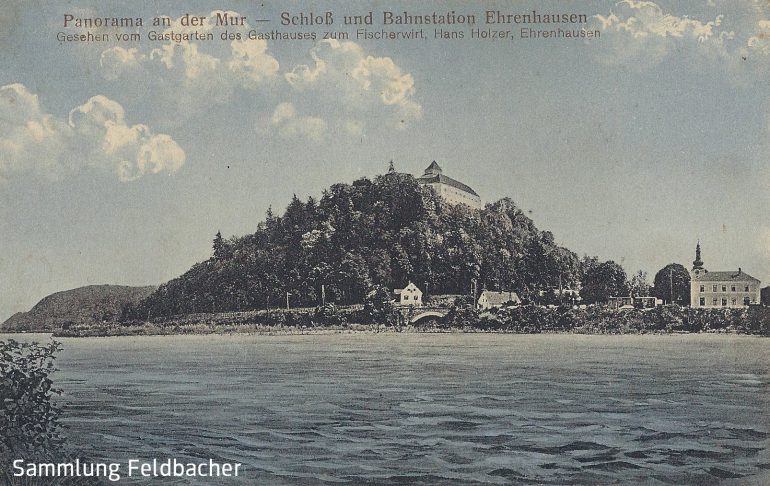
(731, 276)
(433, 167)
(442, 179)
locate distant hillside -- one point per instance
(84, 305)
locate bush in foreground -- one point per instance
(30, 427)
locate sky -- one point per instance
(120, 160)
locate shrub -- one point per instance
(29, 418)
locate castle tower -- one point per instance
(433, 170)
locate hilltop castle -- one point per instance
(450, 190)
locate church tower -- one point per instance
(697, 264)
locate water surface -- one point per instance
(429, 408)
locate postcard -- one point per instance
(384, 242)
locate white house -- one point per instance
(489, 299)
(410, 295)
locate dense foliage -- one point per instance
(603, 280)
(30, 427)
(462, 316)
(363, 236)
(28, 417)
(673, 282)
(603, 320)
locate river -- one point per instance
(428, 408)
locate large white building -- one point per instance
(450, 190)
(721, 288)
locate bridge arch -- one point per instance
(426, 314)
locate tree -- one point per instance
(219, 246)
(638, 284)
(602, 281)
(378, 306)
(672, 283)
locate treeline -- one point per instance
(603, 320)
(381, 232)
(526, 319)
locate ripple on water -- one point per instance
(478, 409)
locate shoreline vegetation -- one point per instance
(30, 417)
(528, 319)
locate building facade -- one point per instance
(450, 190)
(721, 288)
(490, 299)
(410, 295)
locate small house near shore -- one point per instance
(410, 296)
(490, 299)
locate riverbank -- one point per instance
(596, 320)
(361, 329)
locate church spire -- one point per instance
(697, 264)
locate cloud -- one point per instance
(117, 61)
(27, 136)
(187, 76)
(290, 125)
(760, 41)
(353, 84)
(95, 134)
(643, 30)
(341, 88)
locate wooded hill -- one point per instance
(84, 305)
(381, 232)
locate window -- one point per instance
(714, 301)
(702, 301)
(732, 289)
(713, 288)
(724, 301)
(734, 301)
(724, 288)
(415, 297)
(746, 301)
(702, 288)
(746, 289)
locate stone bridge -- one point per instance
(414, 314)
